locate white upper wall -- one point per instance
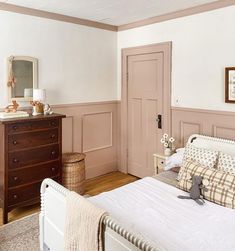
(203, 45)
(76, 63)
(79, 63)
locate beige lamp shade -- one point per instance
(39, 95)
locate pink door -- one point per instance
(145, 103)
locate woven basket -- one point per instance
(73, 175)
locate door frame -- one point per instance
(166, 49)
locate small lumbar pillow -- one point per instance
(195, 190)
(226, 163)
(175, 160)
(205, 157)
(220, 186)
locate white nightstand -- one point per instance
(159, 163)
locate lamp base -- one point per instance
(36, 113)
(38, 109)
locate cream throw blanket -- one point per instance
(83, 226)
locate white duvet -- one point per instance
(151, 208)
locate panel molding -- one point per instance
(29, 108)
(111, 132)
(85, 104)
(100, 161)
(197, 110)
(216, 127)
(182, 129)
(207, 122)
(72, 132)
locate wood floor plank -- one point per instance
(93, 187)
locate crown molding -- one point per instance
(177, 14)
(157, 19)
(55, 16)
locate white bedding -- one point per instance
(152, 208)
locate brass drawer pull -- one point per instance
(53, 169)
(14, 127)
(53, 152)
(53, 123)
(15, 178)
(14, 142)
(15, 196)
(52, 136)
(15, 160)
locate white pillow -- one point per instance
(205, 157)
(174, 160)
(226, 163)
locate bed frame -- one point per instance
(52, 223)
(116, 238)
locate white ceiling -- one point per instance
(114, 12)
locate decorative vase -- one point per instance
(167, 151)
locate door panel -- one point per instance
(145, 87)
(135, 136)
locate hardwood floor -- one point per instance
(94, 186)
(108, 182)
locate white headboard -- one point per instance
(218, 144)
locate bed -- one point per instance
(147, 215)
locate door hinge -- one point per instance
(127, 76)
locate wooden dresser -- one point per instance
(30, 151)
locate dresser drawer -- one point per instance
(32, 125)
(23, 194)
(34, 156)
(31, 174)
(32, 139)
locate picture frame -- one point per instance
(230, 85)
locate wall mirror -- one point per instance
(22, 77)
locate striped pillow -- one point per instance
(220, 185)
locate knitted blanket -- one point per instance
(83, 226)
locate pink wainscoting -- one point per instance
(186, 121)
(91, 128)
(95, 129)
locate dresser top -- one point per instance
(31, 118)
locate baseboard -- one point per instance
(97, 170)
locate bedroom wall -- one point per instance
(77, 66)
(91, 128)
(81, 69)
(202, 45)
(76, 63)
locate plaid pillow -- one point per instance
(220, 185)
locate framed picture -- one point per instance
(230, 85)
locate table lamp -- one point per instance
(39, 97)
